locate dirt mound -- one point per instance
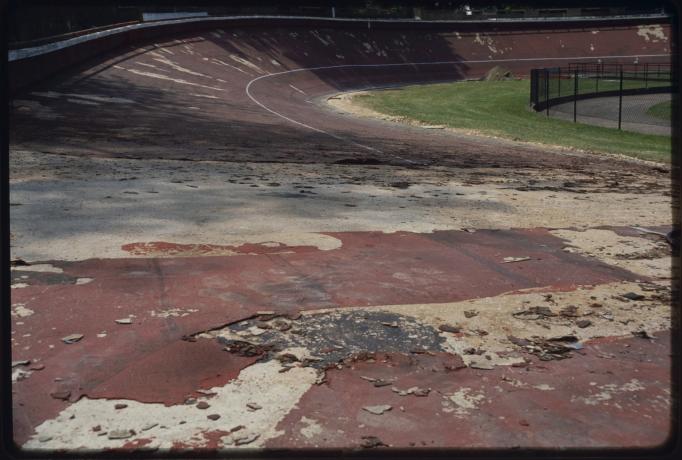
(498, 73)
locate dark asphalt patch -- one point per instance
(332, 337)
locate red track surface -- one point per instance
(168, 118)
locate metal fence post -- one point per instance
(575, 96)
(620, 99)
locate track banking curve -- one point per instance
(248, 93)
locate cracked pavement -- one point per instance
(195, 275)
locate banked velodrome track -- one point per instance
(130, 170)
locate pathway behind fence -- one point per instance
(625, 96)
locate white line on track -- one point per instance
(347, 66)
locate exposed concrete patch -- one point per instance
(644, 256)
(463, 401)
(94, 218)
(261, 384)
(20, 310)
(41, 268)
(614, 316)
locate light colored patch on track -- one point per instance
(462, 402)
(629, 253)
(614, 317)
(165, 77)
(20, 310)
(277, 393)
(88, 210)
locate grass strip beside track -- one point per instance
(500, 108)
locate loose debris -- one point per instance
(416, 391)
(120, 434)
(124, 321)
(246, 439)
(510, 260)
(73, 338)
(449, 328)
(633, 296)
(369, 442)
(253, 407)
(378, 410)
(547, 349)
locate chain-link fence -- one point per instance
(633, 97)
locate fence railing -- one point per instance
(563, 91)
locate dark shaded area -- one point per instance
(331, 337)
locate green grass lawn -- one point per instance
(500, 108)
(662, 110)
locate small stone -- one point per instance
(482, 365)
(202, 405)
(246, 439)
(470, 313)
(213, 417)
(124, 321)
(97, 428)
(509, 260)
(633, 296)
(571, 311)
(524, 423)
(120, 406)
(380, 383)
(73, 338)
(44, 438)
(369, 442)
(449, 328)
(61, 394)
(583, 323)
(253, 406)
(377, 410)
(119, 434)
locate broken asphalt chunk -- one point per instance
(449, 328)
(633, 296)
(643, 334)
(583, 323)
(570, 311)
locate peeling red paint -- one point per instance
(371, 268)
(508, 406)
